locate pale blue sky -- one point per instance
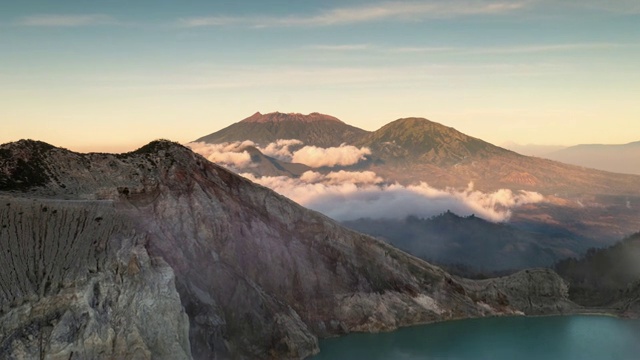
(112, 75)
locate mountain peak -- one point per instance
(312, 129)
(425, 140)
(412, 123)
(277, 117)
(157, 145)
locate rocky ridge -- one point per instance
(257, 275)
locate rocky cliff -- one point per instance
(78, 283)
(534, 292)
(257, 275)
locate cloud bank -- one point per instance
(344, 155)
(281, 149)
(352, 195)
(232, 155)
(289, 150)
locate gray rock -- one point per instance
(532, 292)
(88, 287)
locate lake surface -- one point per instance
(521, 338)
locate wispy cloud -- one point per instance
(423, 49)
(546, 48)
(525, 49)
(406, 11)
(341, 47)
(624, 7)
(61, 20)
(216, 77)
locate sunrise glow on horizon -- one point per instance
(112, 76)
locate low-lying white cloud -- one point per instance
(281, 149)
(349, 195)
(231, 154)
(338, 196)
(343, 155)
(354, 177)
(288, 150)
(342, 176)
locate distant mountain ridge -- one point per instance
(619, 158)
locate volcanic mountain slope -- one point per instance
(410, 150)
(443, 156)
(590, 203)
(413, 140)
(313, 129)
(99, 238)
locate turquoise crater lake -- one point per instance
(557, 337)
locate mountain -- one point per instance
(623, 159)
(415, 149)
(159, 253)
(410, 150)
(478, 245)
(592, 204)
(420, 140)
(313, 129)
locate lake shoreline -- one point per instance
(575, 312)
(603, 333)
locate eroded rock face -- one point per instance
(78, 283)
(258, 275)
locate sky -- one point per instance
(114, 75)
